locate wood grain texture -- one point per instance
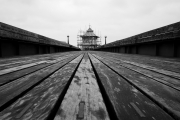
(169, 64)
(14, 88)
(165, 96)
(38, 102)
(83, 90)
(17, 72)
(154, 73)
(14, 62)
(138, 87)
(129, 103)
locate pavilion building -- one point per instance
(88, 40)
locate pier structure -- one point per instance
(88, 40)
(137, 78)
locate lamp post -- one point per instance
(68, 39)
(105, 39)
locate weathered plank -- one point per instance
(157, 62)
(16, 88)
(40, 101)
(128, 102)
(14, 75)
(2, 72)
(5, 78)
(27, 60)
(166, 72)
(165, 96)
(83, 99)
(20, 67)
(168, 80)
(20, 59)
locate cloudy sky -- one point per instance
(117, 19)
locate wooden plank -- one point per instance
(166, 72)
(15, 88)
(15, 75)
(24, 71)
(83, 99)
(168, 80)
(38, 103)
(141, 114)
(2, 72)
(31, 59)
(128, 102)
(20, 59)
(157, 62)
(165, 96)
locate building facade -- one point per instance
(88, 40)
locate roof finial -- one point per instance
(89, 26)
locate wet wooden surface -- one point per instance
(37, 91)
(83, 99)
(154, 84)
(89, 86)
(128, 102)
(22, 72)
(41, 99)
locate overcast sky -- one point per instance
(117, 19)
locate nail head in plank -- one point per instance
(80, 114)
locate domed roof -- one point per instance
(90, 33)
(89, 30)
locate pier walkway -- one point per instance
(89, 85)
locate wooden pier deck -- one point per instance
(89, 85)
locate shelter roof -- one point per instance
(89, 33)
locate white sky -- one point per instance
(117, 19)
